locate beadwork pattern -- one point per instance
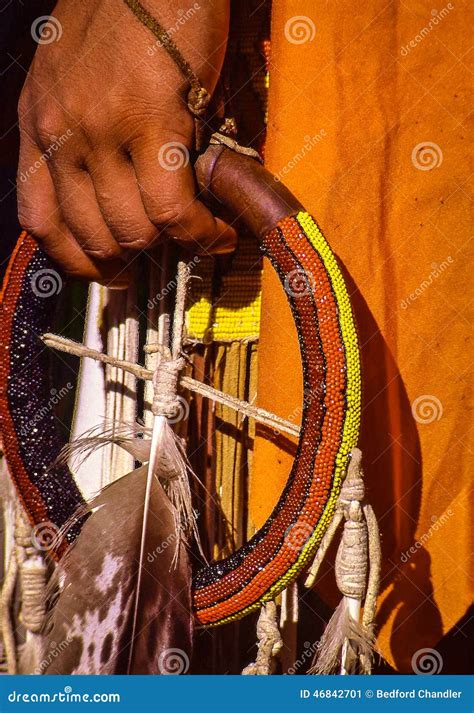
(320, 304)
(30, 438)
(264, 566)
(233, 313)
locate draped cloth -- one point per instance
(367, 110)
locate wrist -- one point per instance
(191, 33)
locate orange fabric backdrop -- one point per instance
(379, 94)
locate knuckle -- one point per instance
(94, 127)
(46, 129)
(49, 124)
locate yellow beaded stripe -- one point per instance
(350, 432)
(234, 313)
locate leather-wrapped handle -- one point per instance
(245, 188)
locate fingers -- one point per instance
(120, 202)
(77, 198)
(93, 222)
(40, 214)
(167, 187)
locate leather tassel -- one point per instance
(124, 605)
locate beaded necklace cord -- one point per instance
(198, 96)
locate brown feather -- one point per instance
(91, 623)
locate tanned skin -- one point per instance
(116, 98)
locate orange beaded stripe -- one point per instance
(279, 551)
(282, 520)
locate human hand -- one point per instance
(106, 133)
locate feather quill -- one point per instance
(158, 424)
